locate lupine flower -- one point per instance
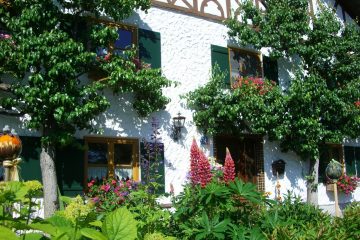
(204, 170)
(229, 167)
(194, 159)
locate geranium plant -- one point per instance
(108, 194)
(347, 184)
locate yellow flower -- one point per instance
(77, 209)
(33, 185)
(33, 188)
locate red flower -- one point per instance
(229, 167)
(357, 103)
(105, 188)
(194, 159)
(204, 170)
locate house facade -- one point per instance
(186, 38)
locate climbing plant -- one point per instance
(321, 104)
(46, 52)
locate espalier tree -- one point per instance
(44, 56)
(322, 103)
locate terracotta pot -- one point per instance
(10, 146)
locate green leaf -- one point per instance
(120, 225)
(7, 234)
(96, 224)
(93, 234)
(34, 236)
(44, 227)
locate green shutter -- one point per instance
(70, 168)
(158, 169)
(150, 47)
(350, 160)
(30, 155)
(220, 57)
(271, 69)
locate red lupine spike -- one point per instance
(194, 159)
(204, 170)
(229, 167)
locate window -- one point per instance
(352, 160)
(328, 152)
(247, 153)
(127, 38)
(113, 157)
(148, 44)
(244, 63)
(240, 62)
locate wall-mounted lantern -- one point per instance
(278, 167)
(178, 124)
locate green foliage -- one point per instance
(18, 198)
(215, 211)
(78, 220)
(320, 105)
(282, 27)
(47, 56)
(223, 111)
(349, 225)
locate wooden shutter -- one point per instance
(150, 47)
(70, 168)
(157, 169)
(30, 155)
(271, 69)
(220, 57)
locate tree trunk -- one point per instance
(313, 181)
(49, 179)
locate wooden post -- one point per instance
(6, 166)
(337, 209)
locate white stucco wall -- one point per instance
(186, 58)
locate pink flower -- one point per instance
(105, 188)
(107, 57)
(194, 159)
(229, 167)
(204, 170)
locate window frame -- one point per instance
(125, 26)
(247, 51)
(111, 141)
(357, 161)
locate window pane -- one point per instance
(125, 39)
(123, 154)
(97, 172)
(123, 173)
(244, 64)
(97, 153)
